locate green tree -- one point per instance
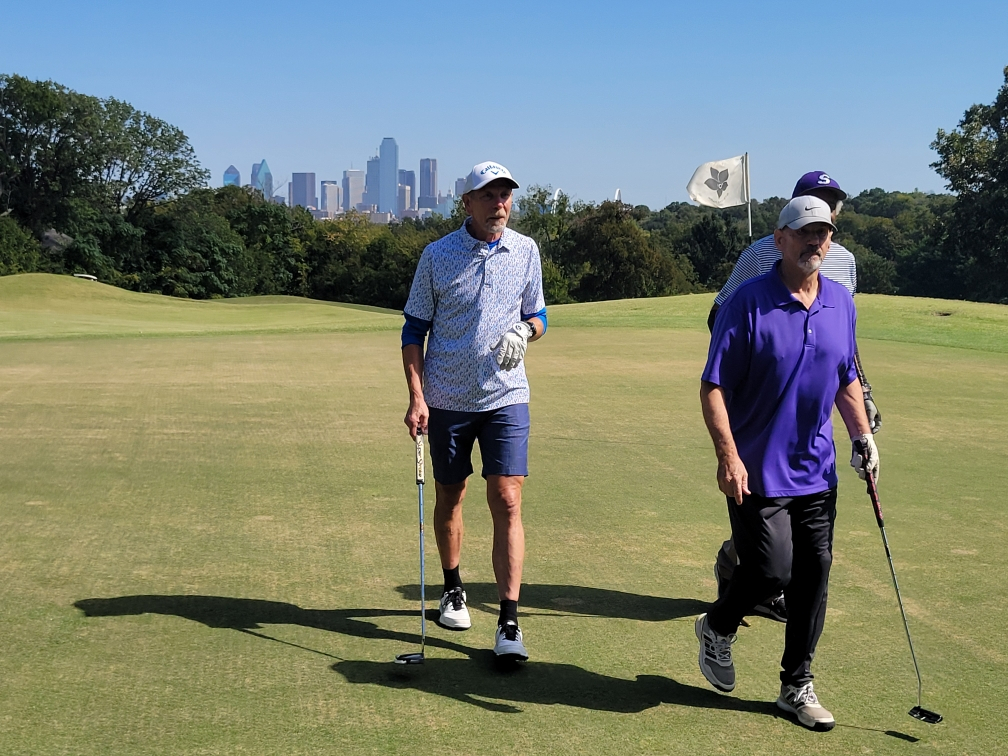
(611, 257)
(48, 150)
(973, 160)
(19, 251)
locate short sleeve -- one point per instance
(532, 297)
(728, 354)
(848, 368)
(420, 304)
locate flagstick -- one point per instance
(748, 195)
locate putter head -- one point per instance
(925, 715)
(418, 658)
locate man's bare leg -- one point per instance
(504, 494)
(448, 527)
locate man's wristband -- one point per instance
(531, 324)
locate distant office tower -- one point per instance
(353, 189)
(428, 183)
(407, 178)
(262, 179)
(388, 187)
(372, 181)
(459, 186)
(332, 197)
(232, 177)
(404, 202)
(304, 190)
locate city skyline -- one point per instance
(352, 192)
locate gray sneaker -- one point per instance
(716, 656)
(802, 702)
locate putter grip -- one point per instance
(870, 481)
(419, 460)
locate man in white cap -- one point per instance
(478, 293)
(781, 356)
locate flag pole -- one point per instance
(748, 195)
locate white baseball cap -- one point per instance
(804, 210)
(483, 173)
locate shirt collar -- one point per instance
(783, 296)
(471, 243)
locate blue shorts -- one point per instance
(503, 441)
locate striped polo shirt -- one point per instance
(759, 258)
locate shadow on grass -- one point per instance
(576, 599)
(251, 614)
(477, 681)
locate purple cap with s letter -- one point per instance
(817, 180)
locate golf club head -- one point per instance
(418, 658)
(925, 715)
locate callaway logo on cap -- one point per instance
(483, 173)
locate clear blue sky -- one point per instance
(585, 96)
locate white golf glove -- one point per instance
(861, 445)
(510, 350)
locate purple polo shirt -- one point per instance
(780, 367)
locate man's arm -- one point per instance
(732, 477)
(413, 365)
(852, 410)
(849, 402)
(874, 416)
(540, 328)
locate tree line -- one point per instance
(93, 185)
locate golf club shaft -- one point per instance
(420, 485)
(873, 495)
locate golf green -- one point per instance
(208, 539)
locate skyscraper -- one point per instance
(459, 186)
(428, 183)
(353, 188)
(372, 182)
(332, 197)
(388, 188)
(303, 186)
(407, 179)
(262, 179)
(232, 177)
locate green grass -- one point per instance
(208, 539)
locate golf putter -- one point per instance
(418, 658)
(918, 711)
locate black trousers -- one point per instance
(781, 543)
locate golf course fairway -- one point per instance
(208, 539)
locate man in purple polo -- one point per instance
(781, 355)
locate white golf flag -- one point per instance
(723, 183)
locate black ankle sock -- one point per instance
(508, 612)
(452, 579)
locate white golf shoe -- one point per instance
(802, 702)
(454, 614)
(508, 643)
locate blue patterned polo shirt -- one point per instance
(470, 295)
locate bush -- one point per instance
(19, 251)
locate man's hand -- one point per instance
(416, 416)
(874, 416)
(510, 350)
(732, 477)
(864, 446)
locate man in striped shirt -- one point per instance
(838, 266)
